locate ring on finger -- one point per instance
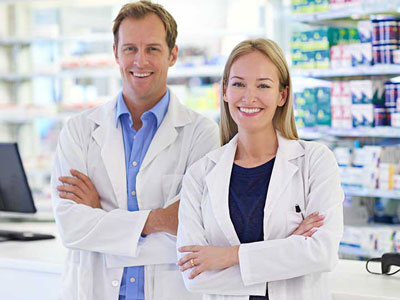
(192, 262)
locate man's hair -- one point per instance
(140, 9)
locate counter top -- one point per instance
(349, 281)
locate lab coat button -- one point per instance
(115, 283)
(132, 279)
(133, 193)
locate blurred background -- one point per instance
(56, 60)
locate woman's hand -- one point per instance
(309, 225)
(203, 258)
(79, 189)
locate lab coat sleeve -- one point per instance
(296, 255)
(192, 232)
(205, 139)
(82, 227)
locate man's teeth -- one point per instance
(141, 74)
(249, 110)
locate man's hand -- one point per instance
(162, 220)
(79, 189)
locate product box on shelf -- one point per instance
(365, 31)
(367, 91)
(362, 115)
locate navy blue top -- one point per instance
(247, 195)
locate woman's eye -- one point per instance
(238, 84)
(263, 86)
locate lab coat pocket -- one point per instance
(293, 220)
(171, 187)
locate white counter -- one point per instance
(32, 270)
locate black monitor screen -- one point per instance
(15, 194)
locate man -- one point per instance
(117, 214)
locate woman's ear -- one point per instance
(283, 96)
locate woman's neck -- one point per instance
(256, 148)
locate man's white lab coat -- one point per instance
(103, 241)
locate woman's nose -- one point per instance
(249, 96)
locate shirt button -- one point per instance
(133, 193)
(115, 283)
(134, 163)
(132, 279)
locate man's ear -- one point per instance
(115, 50)
(173, 56)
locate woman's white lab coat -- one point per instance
(295, 267)
(103, 241)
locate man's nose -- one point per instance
(141, 59)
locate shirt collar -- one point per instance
(159, 110)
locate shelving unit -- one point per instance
(348, 14)
(352, 10)
(377, 70)
(315, 133)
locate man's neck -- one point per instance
(137, 107)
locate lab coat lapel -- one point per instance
(110, 140)
(166, 134)
(218, 181)
(282, 174)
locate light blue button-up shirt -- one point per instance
(136, 144)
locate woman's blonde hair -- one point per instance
(283, 119)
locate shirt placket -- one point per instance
(135, 275)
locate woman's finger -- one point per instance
(186, 258)
(309, 233)
(190, 248)
(188, 265)
(196, 271)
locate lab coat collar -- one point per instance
(218, 181)
(109, 138)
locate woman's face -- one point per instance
(252, 92)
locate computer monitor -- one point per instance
(15, 193)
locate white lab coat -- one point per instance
(304, 173)
(103, 241)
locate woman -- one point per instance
(241, 219)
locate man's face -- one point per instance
(144, 58)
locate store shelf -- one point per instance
(373, 193)
(314, 133)
(353, 250)
(201, 71)
(355, 10)
(113, 72)
(377, 70)
(87, 38)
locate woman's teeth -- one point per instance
(249, 110)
